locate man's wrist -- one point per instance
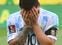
(34, 25)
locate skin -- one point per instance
(30, 18)
(42, 38)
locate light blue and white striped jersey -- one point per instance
(46, 20)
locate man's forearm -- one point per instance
(42, 38)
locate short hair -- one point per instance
(28, 4)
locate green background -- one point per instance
(13, 8)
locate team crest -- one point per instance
(12, 28)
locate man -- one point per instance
(32, 25)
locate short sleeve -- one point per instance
(11, 29)
(14, 24)
(53, 21)
(52, 27)
(49, 23)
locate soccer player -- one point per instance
(42, 25)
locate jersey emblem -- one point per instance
(12, 28)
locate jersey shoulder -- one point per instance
(14, 15)
(48, 18)
(14, 18)
(48, 13)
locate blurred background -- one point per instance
(10, 6)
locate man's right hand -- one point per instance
(26, 17)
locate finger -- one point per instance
(23, 12)
(26, 17)
(35, 11)
(33, 16)
(27, 14)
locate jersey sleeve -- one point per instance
(52, 21)
(15, 24)
(51, 33)
(11, 29)
(52, 27)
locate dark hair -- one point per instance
(28, 4)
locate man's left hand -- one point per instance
(34, 13)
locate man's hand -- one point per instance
(30, 17)
(34, 13)
(26, 17)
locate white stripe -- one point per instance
(48, 27)
(53, 37)
(13, 35)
